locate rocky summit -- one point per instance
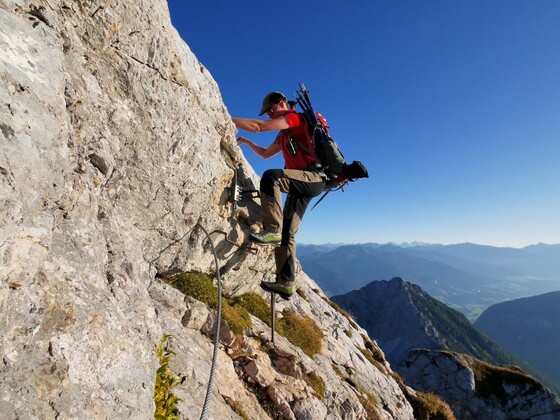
(116, 167)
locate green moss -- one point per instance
(430, 406)
(237, 317)
(200, 287)
(256, 305)
(301, 331)
(197, 285)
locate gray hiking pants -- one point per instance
(301, 187)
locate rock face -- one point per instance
(117, 152)
(476, 390)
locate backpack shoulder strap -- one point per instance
(298, 141)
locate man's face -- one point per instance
(272, 111)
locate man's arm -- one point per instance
(257, 126)
(270, 151)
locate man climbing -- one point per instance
(301, 179)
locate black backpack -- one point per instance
(331, 159)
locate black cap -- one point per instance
(271, 99)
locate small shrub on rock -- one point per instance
(165, 401)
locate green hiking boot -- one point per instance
(265, 237)
(284, 289)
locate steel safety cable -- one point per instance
(217, 338)
(210, 385)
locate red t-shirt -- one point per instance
(295, 156)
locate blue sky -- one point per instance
(454, 107)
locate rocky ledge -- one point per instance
(477, 390)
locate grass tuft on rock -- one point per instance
(301, 331)
(491, 381)
(316, 382)
(430, 406)
(237, 407)
(256, 305)
(369, 402)
(200, 287)
(343, 312)
(237, 317)
(425, 405)
(301, 292)
(196, 285)
(373, 349)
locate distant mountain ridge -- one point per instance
(529, 328)
(467, 277)
(401, 317)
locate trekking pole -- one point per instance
(305, 105)
(304, 102)
(320, 199)
(273, 313)
(328, 191)
(304, 96)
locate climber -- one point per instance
(301, 179)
